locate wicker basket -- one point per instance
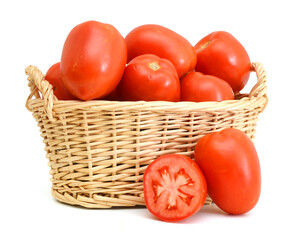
(99, 150)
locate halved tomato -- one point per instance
(174, 187)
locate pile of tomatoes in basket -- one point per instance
(152, 63)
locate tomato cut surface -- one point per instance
(174, 187)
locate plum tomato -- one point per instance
(174, 187)
(53, 76)
(163, 42)
(197, 87)
(220, 54)
(113, 96)
(149, 78)
(93, 60)
(230, 164)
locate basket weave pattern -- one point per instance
(98, 150)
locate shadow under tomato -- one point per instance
(206, 212)
(203, 215)
(210, 211)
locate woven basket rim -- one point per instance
(38, 84)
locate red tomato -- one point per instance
(163, 42)
(113, 96)
(149, 78)
(221, 55)
(53, 76)
(174, 187)
(93, 60)
(196, 87)
(230, 164)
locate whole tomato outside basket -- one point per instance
(230, 164)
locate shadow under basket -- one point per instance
(98, 150)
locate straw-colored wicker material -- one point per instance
(98, 150)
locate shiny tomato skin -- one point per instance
(93, 60)
(197, 87)
(149, 78)
(230, 164)
(163, 42)
(53, 76)
(174, 187)
(222, 55)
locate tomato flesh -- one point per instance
(174, 187)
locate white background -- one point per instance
(33, 32)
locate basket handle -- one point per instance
(260, 88)
(37, 85)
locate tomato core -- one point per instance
(170, 187)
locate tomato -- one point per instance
(163, 42)
(93, 60)
(53, 76)
(113, 96)
(197, 87)
(230, 164)
(149, 78)
(174, 187)
(222, 55)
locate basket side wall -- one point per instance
(97, 158)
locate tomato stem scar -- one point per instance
(154, 66)
(205, 45)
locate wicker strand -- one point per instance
(260, 88)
